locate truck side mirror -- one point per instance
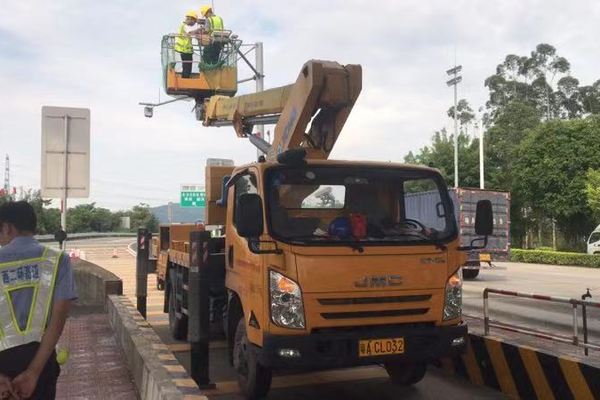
(248, 215)
(484, 218)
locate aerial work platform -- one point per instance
(209, 77)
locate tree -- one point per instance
(549, 173)
(440, 155)
(465, 114)
(592, 191)
(79, 218)
(142, 217)
(541, 80)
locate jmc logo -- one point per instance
(378, 281)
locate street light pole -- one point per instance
(481, 166)
(454, 82)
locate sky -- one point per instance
(105, 55)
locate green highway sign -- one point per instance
(192, 196)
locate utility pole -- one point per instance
(481, 166)
(454, 82)
(7, 175)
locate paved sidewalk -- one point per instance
(96, 368)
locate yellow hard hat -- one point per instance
(204, 10)
(192, 14)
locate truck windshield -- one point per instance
(325, 204)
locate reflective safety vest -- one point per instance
(215, 23)
(183, 42)
(37, 274)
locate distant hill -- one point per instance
(180, 215)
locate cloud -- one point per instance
(106, 56)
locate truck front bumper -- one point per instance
(338, 349)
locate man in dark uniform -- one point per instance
(36, 292)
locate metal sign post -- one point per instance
(199, 308)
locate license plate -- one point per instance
(485, 257)
(380, 347)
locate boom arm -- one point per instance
(324, 93)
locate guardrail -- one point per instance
(87, 235)
(575, 303)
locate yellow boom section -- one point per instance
(324, 93)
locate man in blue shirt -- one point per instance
(28, 367)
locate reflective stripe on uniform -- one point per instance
(38, 274)
(183, 42)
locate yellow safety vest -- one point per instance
(183, 42)
(38, 274)
(216, 23)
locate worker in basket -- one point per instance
(183, 42)
(213, 23)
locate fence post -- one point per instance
(199, 309)
(486, 313)
(575, 323)
(141, 270)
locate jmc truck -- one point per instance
(324, 263)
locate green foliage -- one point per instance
(549, 172)
(465, 113)
(541, 80)
(592, 191)
(555, 258)
(440, 155)
(142, 217)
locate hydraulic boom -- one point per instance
(322, 96)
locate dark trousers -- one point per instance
(186, 67)
(211, 53)
(16, 360)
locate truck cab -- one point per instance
(327, 264)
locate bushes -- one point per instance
(555, 257)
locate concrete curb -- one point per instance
(94, 284)
(155, 370)
(524, 372)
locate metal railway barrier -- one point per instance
(575, 303)
(527, 372)
(524, 372)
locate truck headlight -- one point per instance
(453, 296)
(287, 309)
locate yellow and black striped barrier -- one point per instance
(523, 372)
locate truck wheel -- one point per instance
(470, 274)
(405, 374)
(177, 321)
(254, 379)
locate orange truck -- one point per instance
(323, 263)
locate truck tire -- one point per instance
(177, 321)
(405, 374)
(254, 379)
(470, 274)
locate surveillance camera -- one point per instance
(148, 112)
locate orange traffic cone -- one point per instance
(115, 253)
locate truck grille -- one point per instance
(374, 300)
(374, 314)
(365, 307)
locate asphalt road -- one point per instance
(549, 280)
(364, 383)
